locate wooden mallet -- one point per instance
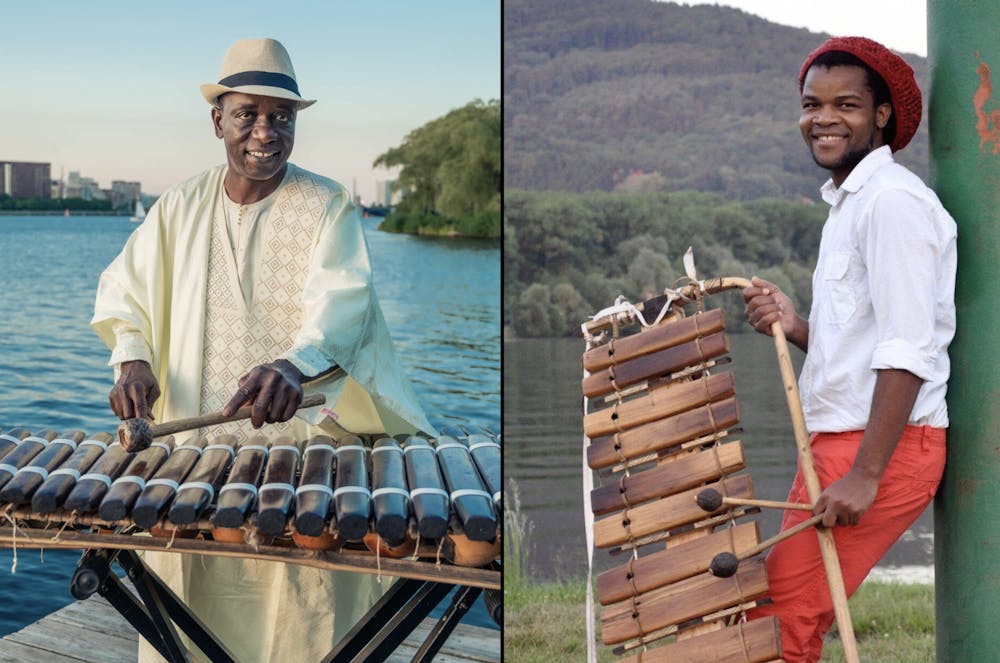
(712, 500)
(725, 564)
(138, 434)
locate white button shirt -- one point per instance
(883, 296)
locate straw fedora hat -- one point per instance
(256, 66)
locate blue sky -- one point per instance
(899, 24)
(110, 88)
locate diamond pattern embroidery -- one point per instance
(237, 339)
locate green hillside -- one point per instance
(600, 94)
(634, 129)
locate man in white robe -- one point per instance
(245, 285)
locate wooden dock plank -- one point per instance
(92, 631)
(53, 639)
(466, 643)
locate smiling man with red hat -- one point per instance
(245, 285)
(876, 340)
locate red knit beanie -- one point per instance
(898, 76)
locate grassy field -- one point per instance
(545, 623)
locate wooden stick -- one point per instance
(767, 504)
(137, 434)
(812, 521)
(827, 545)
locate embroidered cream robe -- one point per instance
(312, 249)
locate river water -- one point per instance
(441, 300)
(543, 465)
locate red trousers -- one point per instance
(797, 580)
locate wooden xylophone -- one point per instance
(659, 418)
(394, 500)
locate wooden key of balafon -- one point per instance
(125, 490)
(22, 454)
(390, 496)
(352, 501)
(277, 489)
(314, 495)
(427, 494)
(472, 504)
(91, 487)
(485, 452)
(155, 498)
(11, 439)
(239, 493)
(56, 487)
(203, 482)
(137, 434)
(27, 479)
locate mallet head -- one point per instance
(724, 565)
(709, 499)
(134, 434)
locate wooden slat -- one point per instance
(656, 364)
(673, 564)
(669, 477)
(664, 335)
(658, 403)
(679, 602)
(756, 641)
(355, 561)
(665, 514)
(663, 434)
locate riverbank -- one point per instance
(484, 225)
(62, 212)
(546, 622)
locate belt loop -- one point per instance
(925, 443)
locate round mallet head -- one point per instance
(134, 434)
(724, 565)
(709, 499)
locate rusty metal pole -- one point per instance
(964, 116)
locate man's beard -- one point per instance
(849, 160)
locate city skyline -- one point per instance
(110, 89)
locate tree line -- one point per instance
(450, 173)
(52, 204)
(568, 255)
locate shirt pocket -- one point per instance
(841, 298)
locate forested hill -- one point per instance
(642, 95)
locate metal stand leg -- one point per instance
(389, 621)
(460, 605)
(155, 615)
(157, 609)
(93, 574)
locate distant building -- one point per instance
(124, 194)
(386, 194)
(25, 179)
(85, 188)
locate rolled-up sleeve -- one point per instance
(904, 269)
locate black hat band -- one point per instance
(267, 78)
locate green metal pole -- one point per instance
(964, 115)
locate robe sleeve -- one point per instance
(342, 324)
(130, 345)
(127, 294)
(337, 300)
